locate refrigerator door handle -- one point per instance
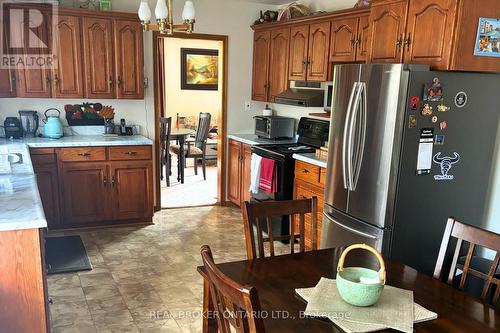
(363, 107)
(349, 228)
(347, 139)
(352, 135)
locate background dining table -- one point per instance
(277, 278)
(180, 135)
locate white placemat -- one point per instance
(395, 309)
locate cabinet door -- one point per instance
(234, 172)
(85, 196)
(131, 183)
(299, 45)
(68, 74)
(7, 75)
(260, 68)
(319, 44)
(245, 167)
(48, 187)
(344, 40)
(278, 62)
(387, 28)
(34, 82)
(429, 32)
(129, 59)
(98, 57)
(363, 40)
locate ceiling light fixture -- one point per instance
(164, 21)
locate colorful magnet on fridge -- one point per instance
(412, 121)
(434, 119)
(439, 140)
(414, 101)
(442, 108)
(443, 125)
(426, 110)
(434, 91)
(460, 99)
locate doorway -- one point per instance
(176, 97)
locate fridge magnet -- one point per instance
(443, 125)
(426, 110)
(424, 155)
(443, 108)
(414, 100)
(434, 91)
(412, 121)
(445, 163)
(488, 38)
(434, 119)
(460, 99)
(439, 140)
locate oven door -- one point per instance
(262, 127)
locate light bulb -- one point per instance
(144, 11)
(161, 10)
(188, 12)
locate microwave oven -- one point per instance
(274, 127)
(328, 96)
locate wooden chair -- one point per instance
(234, 304)
(165, 158)
(475, 237)
(197, 149)
(258, 213)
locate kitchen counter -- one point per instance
(252, 139)
(21, 206)
(311, 158)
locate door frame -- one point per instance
(222, 116)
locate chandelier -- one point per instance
(164, 21)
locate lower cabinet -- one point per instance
(310, 181)
(239, 160)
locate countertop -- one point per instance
(252, 139)
(21, 206)
(311, 158)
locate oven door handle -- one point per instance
(346, 157)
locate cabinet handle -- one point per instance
(130, 153)
(309, 61)
(51, 301)
(399, 42)
(57, 81)
(48, 79)
(105, 181)
(305, 171)
(358, 41)
(304, 62)
(110, 81)
(119, 82)
(84, 154)
(407, 42)
(113, 181)
(353, 42)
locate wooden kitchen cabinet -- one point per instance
(349, 39)
(7, 75)
(129, 62)
(317, 60)
(98, 57)
(299, 48)
(278, 62)
(239, 161)
(261, 45)
(68, 72)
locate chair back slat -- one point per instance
(165, 132)
(236, 305)
(257, 213)
(203, 129)
(475, 237)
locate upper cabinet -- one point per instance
(349, 42)
(299, 48)
(261, 43)
(98, 57)
(278, 62)
(319, 42)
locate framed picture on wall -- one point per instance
(488, 38)
(199, 69)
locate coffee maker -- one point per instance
(29, 122)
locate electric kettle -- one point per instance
(53, 127)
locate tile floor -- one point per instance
(144, 278)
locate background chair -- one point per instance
(196, 149)
(475, 237)
(165, 157)
(234, 304)
(259, 213)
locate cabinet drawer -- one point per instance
(307, 172)
(125, 153)
(82, 154)
(43, 159)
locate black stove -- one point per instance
(282, 151)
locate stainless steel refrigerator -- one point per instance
(408, 147)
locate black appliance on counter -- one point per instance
(13, 128)
(312, 134)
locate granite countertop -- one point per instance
(311, 158)
(252, 139)
(21, 206)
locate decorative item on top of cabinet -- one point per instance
(260, 68)
(239, 160)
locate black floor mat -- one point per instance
(66, 254)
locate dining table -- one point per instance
(180, 135)
(277, 278)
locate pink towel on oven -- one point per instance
(268, 175)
